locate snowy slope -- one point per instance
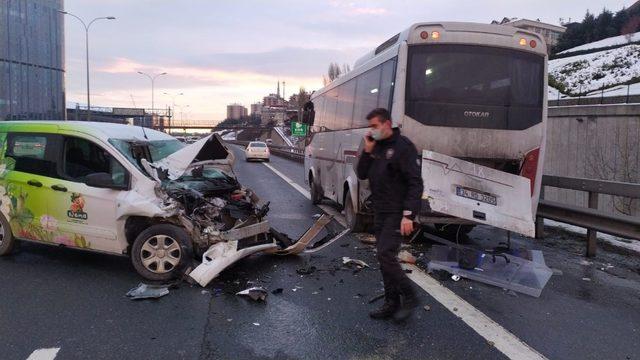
(590, 72)
(616, 40)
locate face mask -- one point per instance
(376, 134)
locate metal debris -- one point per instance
(357, 263)
(146, 291)
(306, 270)
(255, 293)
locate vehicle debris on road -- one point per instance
(359, 264)
(256, 293)
(406, 257)
(147, 291)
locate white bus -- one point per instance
(472, 99)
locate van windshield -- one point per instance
(134, 151)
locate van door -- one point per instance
(28, 168)
(87, 214)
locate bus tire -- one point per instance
(355, 222)
(313, 191)
(451, 230)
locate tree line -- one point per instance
(594, 28)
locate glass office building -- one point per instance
(31, 60)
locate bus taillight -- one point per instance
(530, 167)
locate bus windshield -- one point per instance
(494, 87)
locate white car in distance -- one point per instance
(257, 150)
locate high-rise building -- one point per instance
(236, 111)
(31, 60)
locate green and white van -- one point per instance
(122, 189)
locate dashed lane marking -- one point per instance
(501, 338)
(44, 354)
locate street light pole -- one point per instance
(153, 80)
(86, 38)
(173, 103)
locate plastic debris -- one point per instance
(357, 263)
(427, 308)
(455, 277)
(146, 291)
(255, 293)
(405, 257)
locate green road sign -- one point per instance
(298, 129)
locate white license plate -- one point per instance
(476, 195)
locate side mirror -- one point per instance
(308, 114)
(100, 180)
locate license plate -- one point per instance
(476, 195)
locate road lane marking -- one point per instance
(328, 209)
(44, 354)
(502, 339)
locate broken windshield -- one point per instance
(153, 150)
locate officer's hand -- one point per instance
(406, 227)
(368, 143)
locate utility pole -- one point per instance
(86, 38)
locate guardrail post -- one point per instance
(592, 235)
(539, 219)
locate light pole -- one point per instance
(153, 79)
(86, 32)
(173, 102)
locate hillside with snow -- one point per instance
(583, 74)
(612, 41)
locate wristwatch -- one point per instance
(409, 215)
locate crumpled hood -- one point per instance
(208, 150)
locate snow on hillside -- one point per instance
(616, 40)
(590, 72)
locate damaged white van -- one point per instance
(127, 190)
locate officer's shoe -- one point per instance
(409, 303)
(386, 311)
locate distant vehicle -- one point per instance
(472, 96)
(269, 141)
(257, 150)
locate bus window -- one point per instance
(386, 84)
(344, 113)
(367, 92)
(318, 105)
(330, 109)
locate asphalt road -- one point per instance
(53, 297)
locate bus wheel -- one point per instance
(454, 230)
(313, 191)
(355, 222)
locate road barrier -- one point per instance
(590, 218)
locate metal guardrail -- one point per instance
(590, 218)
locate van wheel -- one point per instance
(313, 191)
(7, 241)
(355, 222)
(161, 252)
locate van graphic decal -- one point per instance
(76, 210)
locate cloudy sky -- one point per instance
(218, 52)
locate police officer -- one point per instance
(390, 162)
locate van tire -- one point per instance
(355, 222)
(7, 241)
(176, 253)
(313, 192)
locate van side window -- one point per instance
(30, 153)
(82, 157)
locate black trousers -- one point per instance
(388, 240)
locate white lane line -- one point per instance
(44, 354)
(501, 338)
(328, 209)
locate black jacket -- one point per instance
(393, 170)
